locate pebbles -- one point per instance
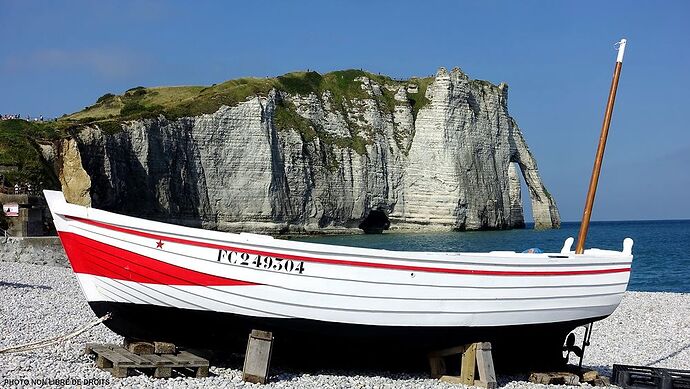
(38, 302)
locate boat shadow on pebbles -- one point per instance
(316, 356)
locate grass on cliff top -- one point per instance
(182, 101)
(110, 110)
(110, 105)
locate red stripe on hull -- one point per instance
(352, 263)
(89, 256)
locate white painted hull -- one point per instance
(125, 260)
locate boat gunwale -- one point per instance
(87, 215)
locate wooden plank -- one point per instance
(94, 348)
(484, 384)
(91, 346)
(257, 359)
(117, 359)
(88, 348)
(438, 366)
(162, 372)
(102, 362)
(119, 372)
(138, 360)
(485, 365)
(157, 360)
(177, 362)
(451, 379)
(467, 365)
(201, 371)
(192, 359)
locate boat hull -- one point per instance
(206, 288)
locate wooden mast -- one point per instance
(584, 226)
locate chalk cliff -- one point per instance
(436, 153)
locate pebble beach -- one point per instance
(38, 302)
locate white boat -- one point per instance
(199, 287)
(206, 288)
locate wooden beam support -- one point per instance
(257, 360)
(438, 366)
(485, 365)
(476, 362)
(467, 365)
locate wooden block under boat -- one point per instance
(164, 348)
(474, 357)
(257, 359)
(138, 347)
(555, 378)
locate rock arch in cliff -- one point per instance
(544, 211)
(462, 167)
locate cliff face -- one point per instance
(307, 162)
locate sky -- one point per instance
(557, 57)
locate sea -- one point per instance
(661, 251)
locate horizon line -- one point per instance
(628, 220)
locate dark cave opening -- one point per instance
(375, 222)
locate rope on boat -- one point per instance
(57, 339)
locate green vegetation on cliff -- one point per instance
(418, 100)
(183, 101)
(19, 139)
(286, 117)
(19, 147)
